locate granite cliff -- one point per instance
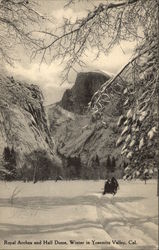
(120, 122)
(84, 145)
(23, 124)
(77, 98)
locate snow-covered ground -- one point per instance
(52, 214)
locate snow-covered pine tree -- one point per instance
(138, 124)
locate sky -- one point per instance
(48, 76)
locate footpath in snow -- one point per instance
(75, 215)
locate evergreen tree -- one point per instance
(95, 167)
(6, 154)
(9, 157)
(113, 164)
(97, 160)
(13, 156)
(108, 164)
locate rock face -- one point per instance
(122, 123)
(83, 145)
(58, 118)
(23, 124)
(90, 144)
(77, 98)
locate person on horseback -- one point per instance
(111, 186)
(107, 186)
(114, 184)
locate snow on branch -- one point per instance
(103, 27)
(17, 19)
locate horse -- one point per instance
(111, 186)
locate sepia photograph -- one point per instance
(79, 140)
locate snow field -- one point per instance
(77, 210)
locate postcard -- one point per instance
(79, 124)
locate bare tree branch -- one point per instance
(17, 19)
(103, 27)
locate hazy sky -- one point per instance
(48, 76)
